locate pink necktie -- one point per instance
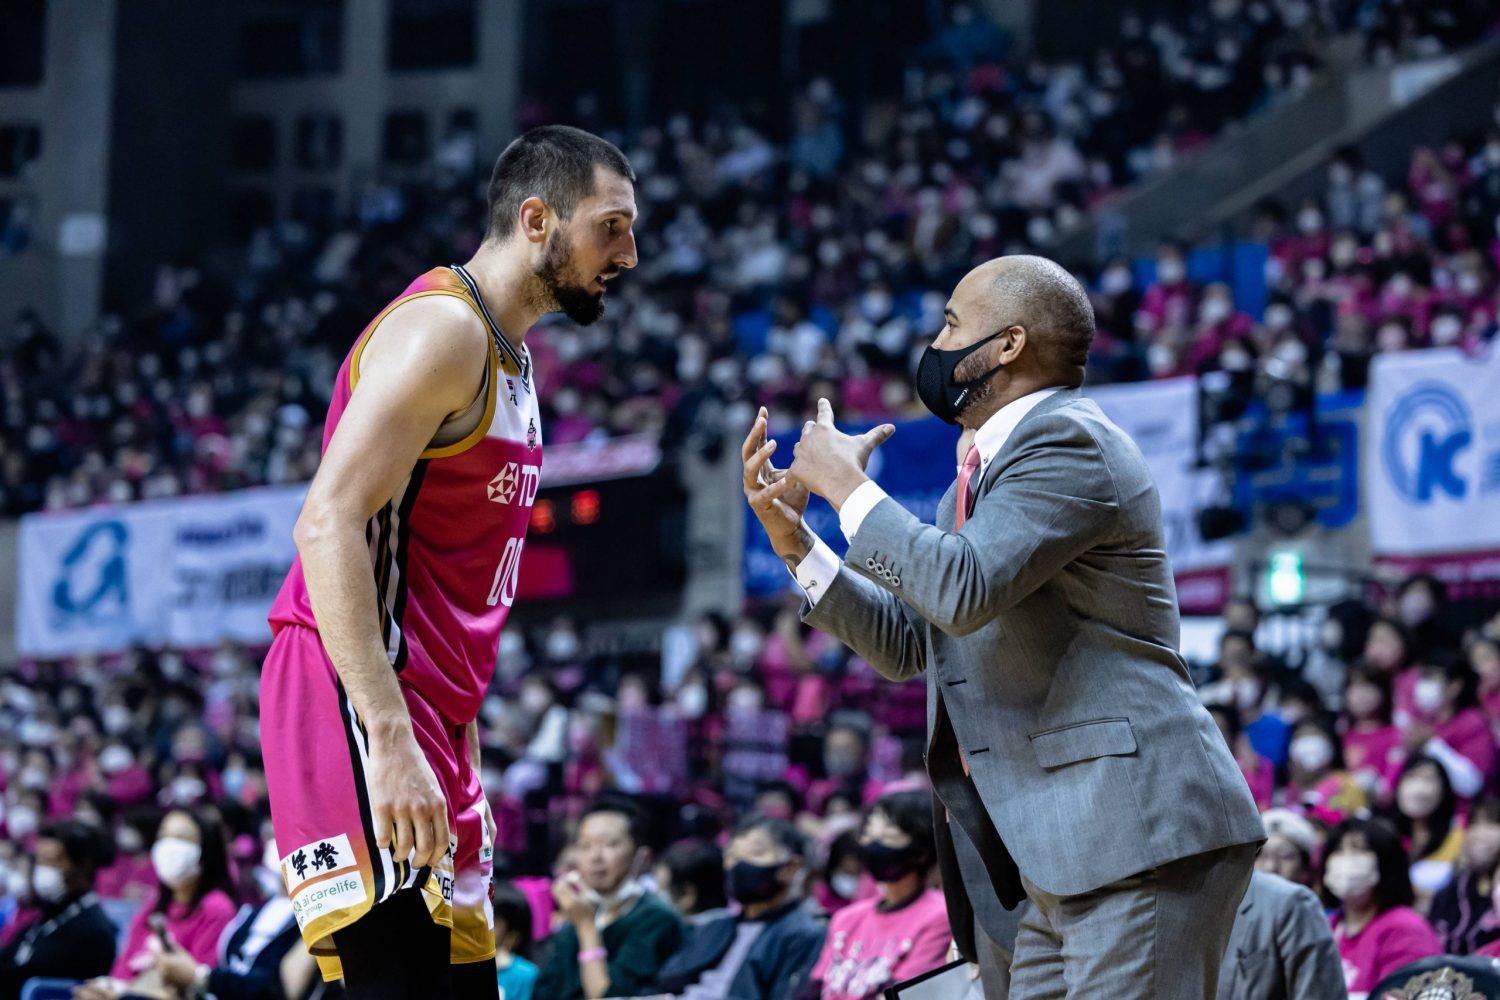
(965, 495)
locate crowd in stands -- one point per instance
(774, 272)
(751, 809)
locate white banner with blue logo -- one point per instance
(186, 572)
(1162, 418)
(1433, 468)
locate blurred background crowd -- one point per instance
(745, 770)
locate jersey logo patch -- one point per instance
(513, 481)
(531, 434)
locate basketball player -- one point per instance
(409, 543)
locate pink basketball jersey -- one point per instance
(446, 550)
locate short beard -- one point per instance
(578, 303)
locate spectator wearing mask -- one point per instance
(1484, 660)
(690, 875)
(843, 874)
(1280, 947)
(767, 949)
(1288, 851)
(259, 954)
(1243, 684)
(514, 970)
(1315, 760)
(1450, 727)
(1461, 910)
(1372, 742)
(616, 933)
(899, 933)
(846, 760)
(1388, 649)
(191, 907)
(1425, 808)
(72, 936)
(1365, 877)
(1422, 606)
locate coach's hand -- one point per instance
(411, 813)
(777, 501)
(831, 463)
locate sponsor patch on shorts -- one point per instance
(317, 861)
(324, 896)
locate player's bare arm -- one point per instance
(425, 361)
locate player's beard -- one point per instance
(580, 304)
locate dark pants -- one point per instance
(398, 952)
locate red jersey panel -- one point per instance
(446, 550)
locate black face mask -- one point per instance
(889, 864)
(748, 883)
(935, 386)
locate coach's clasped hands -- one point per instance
(830, 463)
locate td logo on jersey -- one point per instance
(515, 483)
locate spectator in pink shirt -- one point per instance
(899, 933)
(1451, 727)
(1388, 649)
(192, 901)
(1484, 660)
(1365, 877)
(1372, 742)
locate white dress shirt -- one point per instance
(817, 570)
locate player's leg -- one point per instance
(473, 951)
(397, 952)
(316, 754)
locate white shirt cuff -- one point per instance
(858, 506)
(816, 571)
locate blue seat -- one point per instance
(49, 989)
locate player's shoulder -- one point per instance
(438, 330)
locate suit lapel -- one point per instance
(1061, 397)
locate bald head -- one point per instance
(1041, 296)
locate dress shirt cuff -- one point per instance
(816, 571)
(858, 506)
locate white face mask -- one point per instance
(1351, 877)
(22, 821)
(176, 861)
(1311, 752)
(1419, 796)
(1428, 694)
(48, 883)
(844, 884)
(692, 701)
(1246, 693)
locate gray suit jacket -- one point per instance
(1282, 947)
(1048, 631)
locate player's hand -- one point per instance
(572, 902)
(777, 501)
(411, 813)
(831, 463)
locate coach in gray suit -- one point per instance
(1282, 947)
(1065, 743)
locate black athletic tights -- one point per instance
(397, 952)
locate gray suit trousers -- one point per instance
(1159, 935)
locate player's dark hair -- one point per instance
(554, 163)
(213, 863)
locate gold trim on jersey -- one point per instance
(494, 364)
